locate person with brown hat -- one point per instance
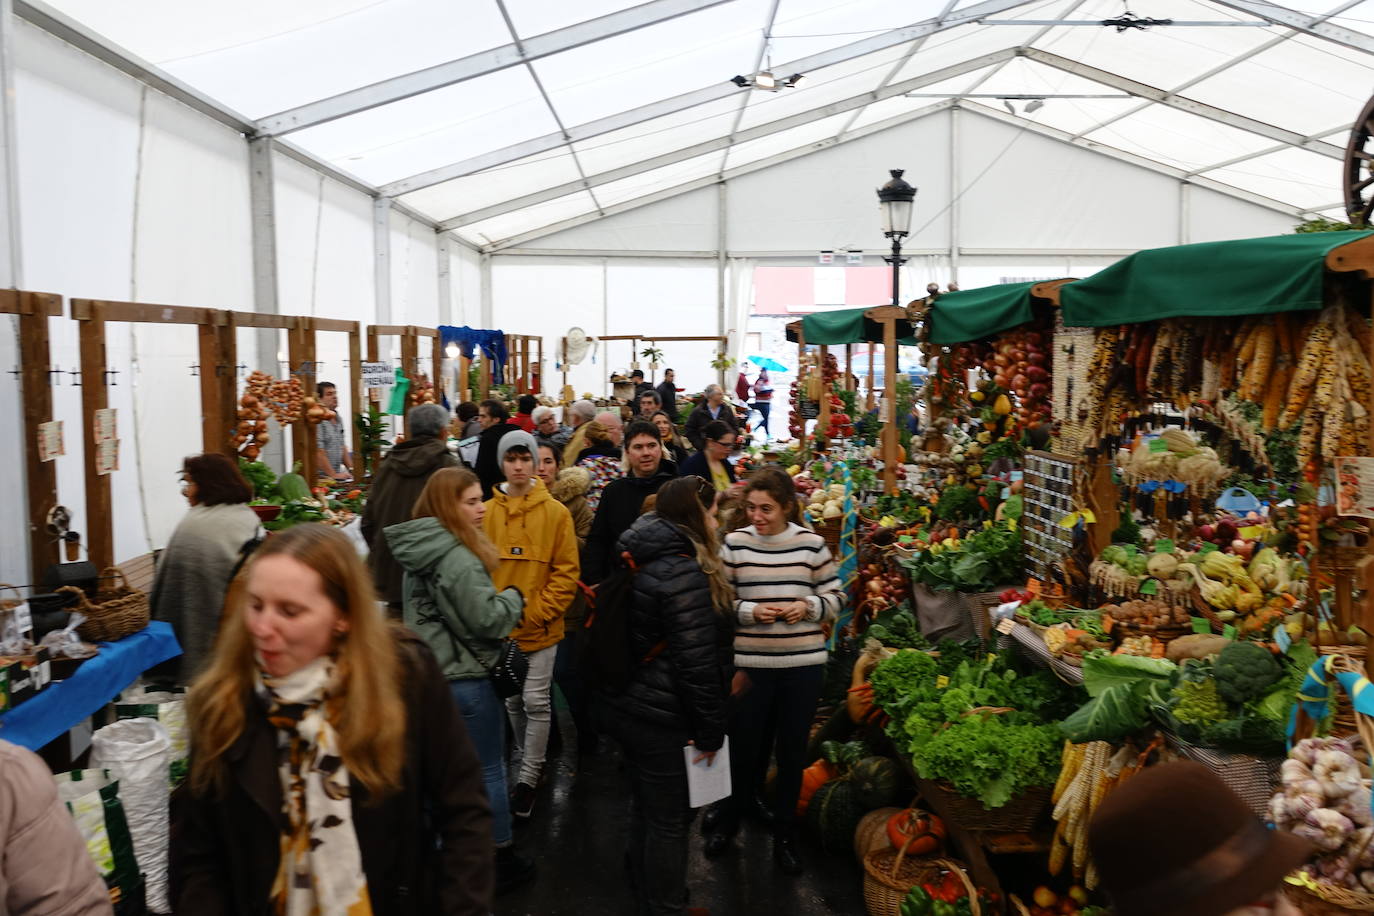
(1177, 840)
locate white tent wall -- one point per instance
(686, 222)
(1213, 217)
(465, 286)
(414, 275)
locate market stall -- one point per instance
(1136, 529)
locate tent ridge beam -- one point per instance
(1302, 22)
(719, 143)
(520, 51)
(1182, 103)
(687, 100)
(718, 178)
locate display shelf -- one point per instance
(1027, 643)
(65, 703)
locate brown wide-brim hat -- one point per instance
(1177, 840)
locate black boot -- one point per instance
(760, 810)
(512, 870)
(786, 855)
(718, 843)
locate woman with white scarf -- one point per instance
(331, 772)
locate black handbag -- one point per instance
(507, 674)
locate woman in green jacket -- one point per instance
(451, 603)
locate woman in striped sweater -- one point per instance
(786, 587)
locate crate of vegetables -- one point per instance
(1147, 617)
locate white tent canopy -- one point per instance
(534, 166)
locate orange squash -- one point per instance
(921, 832)
(813, 777)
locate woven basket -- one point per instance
(980, 606)
(1016, 816)
(833, 532)
(117, 612)
(889, 876)
(1073, 352)
(7, 603)
(1326, 900)
(871, 834)
(1254, 779)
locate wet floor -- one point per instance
(578, 836)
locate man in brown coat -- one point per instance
(397, 485)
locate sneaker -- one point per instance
(512, 870)
(522, 800)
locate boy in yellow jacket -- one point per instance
(534, 535)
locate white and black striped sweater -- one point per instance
(774, 568)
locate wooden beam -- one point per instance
(823, 421)
(539, 368)
(300, 351)
(1049, 290)
(142, 312)
(1353, 256)
(261, 320)
(485, 376)
(870, 402)
(437, 372)
(94, 396)
(849, 368)
(526, 377)
(34, 309)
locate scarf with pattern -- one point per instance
(321, 871)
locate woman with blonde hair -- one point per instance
(453, 606)
(681, 629)
(330, 769)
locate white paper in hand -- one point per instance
(707, 782)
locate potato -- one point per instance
(1196, 645)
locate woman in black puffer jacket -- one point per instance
(682, 627)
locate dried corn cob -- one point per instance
(1275, 394)
(1247, 341)
(1308, 438)
(1308, 371)
(1261, 363)
(1069, 762)
(1059, 850)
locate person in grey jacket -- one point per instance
(45, 867)
(193, 571)
(450, 602)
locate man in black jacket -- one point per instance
(667, 394)
(713, 408)
(399, 481)
(495, 421)
(623, 497)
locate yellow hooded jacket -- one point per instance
(538, 547)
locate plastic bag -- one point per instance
(168, 707)
(64, 643)
(92, 797)
(137, 753)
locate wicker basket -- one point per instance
(833, 532)
(1019, 815)
(980, 606)
(1326, 900)
(117, 612)
(1254, 779)
(871, 834)
(889, 876)
(1343, 722)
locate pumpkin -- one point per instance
(876, 779)
(813, 777)
(924, 831)
(871, 834)
(834, 814)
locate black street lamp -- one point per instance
(896, 199)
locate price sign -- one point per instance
(1005, 626)
(378, 375)
(809, 410)
(50, 440)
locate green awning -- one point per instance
(847, 326)
(1245, 277)
(973, 314)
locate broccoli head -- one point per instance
(1245, 672)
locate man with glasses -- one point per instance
(623, 498)
(713, 407)
(712, 463)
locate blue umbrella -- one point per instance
(764, 362)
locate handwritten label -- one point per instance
(1005, 626)
(378, 375)
(1201, 625)
(50, 440)
(1158, 445)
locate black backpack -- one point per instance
(605, 658)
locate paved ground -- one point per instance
(578, 835)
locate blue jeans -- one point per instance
(485, 716)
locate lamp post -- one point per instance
(896, 199)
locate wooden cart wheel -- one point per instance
(1359, 168)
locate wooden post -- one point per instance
(823, 421)
(226, 377)
(888, 413)
(870, 403)
(94, 396)
(564, 364)
(526, 379)
(801, 391)
(300, 351)
(33, 310)
(215, 430)
(848, 367)
(436, 375)
(410, 362)
(357, 399)
(539, 368)
(485, 376)
(464, 389)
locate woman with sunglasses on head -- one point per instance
(712, 463)
(674, 446)
(681, 635)
(330, 769)
(786, 587)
